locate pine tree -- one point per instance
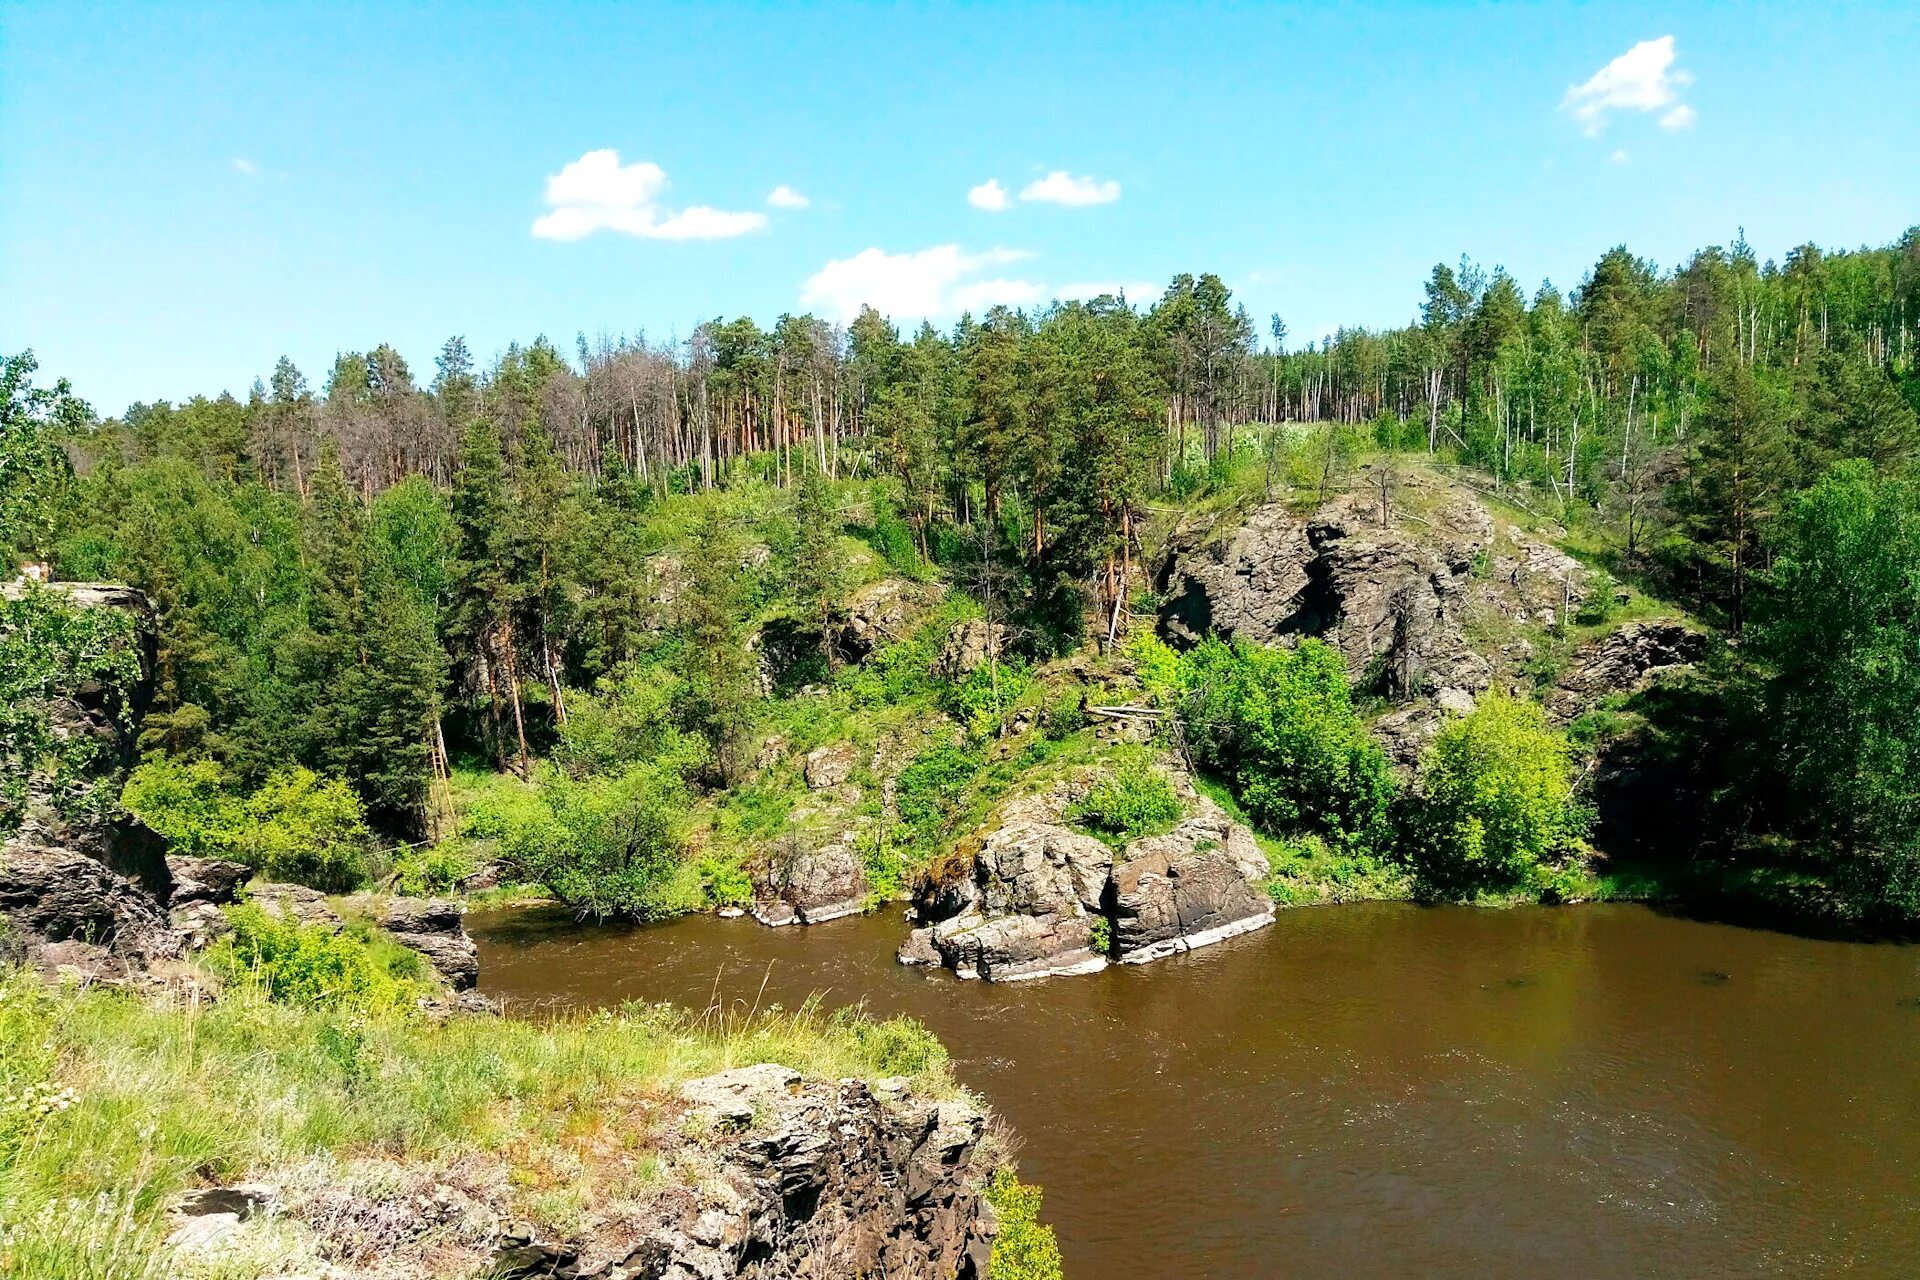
(485, 589)
(1738, 472)
(715, 661)
(816, 559)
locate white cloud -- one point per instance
(1619, 156)
(930, 282)
(243, 165)
(989, 195)
(785, 197)
(1641, 79)
(1061, 187)
(598, 193)
(1677, 119)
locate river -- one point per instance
(1387, 1090)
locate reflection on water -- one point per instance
(1389, 1090)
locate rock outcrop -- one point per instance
(801, 883)
(879, 614)
(1394, 595)
(1429, 603)
(802, 1178)
(50, 895)
(969, 647)
(829, 766)
(1623, 661)
(432, 926)
(1044, 900)
(1197, 884)
(78, 889)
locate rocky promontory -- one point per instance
(1042, 899)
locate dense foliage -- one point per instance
(1839, 636)
(1280, 724)
(386, 579)
(296, 826)
(51, 649)
(1493, 807)
(1025, 1247)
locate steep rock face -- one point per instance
(50, 895)
(803, 1178)
(111, 717)
(1041, 895)
(1427, 603)
(1393, 594)
(1623, 661)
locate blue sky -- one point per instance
(187, 192)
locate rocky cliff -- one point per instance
(1430, 592)
(805, 1179)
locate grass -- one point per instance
(116, 1104)
(1131, 799)
(1309, 872)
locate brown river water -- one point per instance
(1393, 1091)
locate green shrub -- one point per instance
(886, 870)
(298, 827)
(611, 846)
(893, 539)
(425, 870)
(1158, 666)
(300, 964)
(1025, 1248)
(307, 829)
(1280, 724)
(186, 803)
(1494, 805)
(495, 806)
(628, 719)
(896, 1047)
(930, 787)
(723, 882)
(1132, 799)
(982, 699)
